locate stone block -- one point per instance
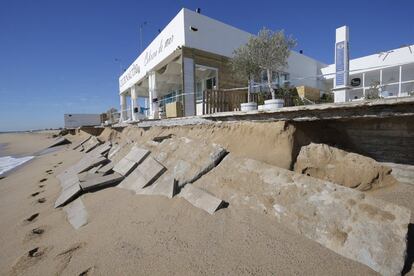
(76, 213)
(200, 199)
(164, 186)
(145, 174)
(68, 194)
(59, 141)
(98, 182)
(124, 166)
(106, 168)
(87, 163)
(92, 143)
(137, 154)
(77, 146)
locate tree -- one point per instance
(270, 51)
(244, 65)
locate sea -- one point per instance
(8, 163)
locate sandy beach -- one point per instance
(130, 234)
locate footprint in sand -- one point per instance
(41, 200)
(42, 180)
(27, 260)
(86, 272)
(35, 233)
(35, 194)
(65, 256)
(60, 163)
(41, 186)
(32, 217)
(49, 171)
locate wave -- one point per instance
(8, 163)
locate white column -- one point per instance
(341, 80)
(380, 86)
(363, 84)
(134, 103)
(399, 82)
(153, 95)
(122, 99)
(189, 86)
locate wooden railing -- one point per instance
(220, 101)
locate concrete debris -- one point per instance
(92, 143)
(87, 163)
(113, 151)
(106, 168)
(59, 141)
(145, 174)
(77, 146)
(137, 155)
(76, 213)
(186, 159)
(164, 186)
(98, 182)
(347, 221)
(68, 194)
(124, 166)
(344, 168)
(102, 149)
(201, 199)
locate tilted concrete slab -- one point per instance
(68, 194)
(95, 169)
(87, 163)
(102, 149)
(124, 166)
(164, 186)
(349, 222)
(76, 214)
(200, 199)
(187, 159)
(92, 143)
(106, 168)
(81, 142)
(113, 151)
(145, 174)
(137, 154)
(59, 141)
(98, 182)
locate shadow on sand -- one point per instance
(409, 258)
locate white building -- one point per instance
(191, 53)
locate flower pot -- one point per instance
(248, 106)
(273, 104)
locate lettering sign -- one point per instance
(340, 63)
(145, 60)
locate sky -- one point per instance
(61, 57)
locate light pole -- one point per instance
(141, 26)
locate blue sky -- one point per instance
(59, 57)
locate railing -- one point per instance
(220, 101)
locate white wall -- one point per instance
(376, 61)
(212, 35)
(171, 37)
(78, 120)
(303, 70)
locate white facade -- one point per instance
(160, 70)
(79, 120)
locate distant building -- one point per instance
(80, 120)
(191, 53)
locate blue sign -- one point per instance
(340, 63)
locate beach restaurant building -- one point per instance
(190, 55)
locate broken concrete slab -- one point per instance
(95, 169)
(92, 143)
(164, 186)
(145, 174)
(137, 154)
(187, 159)
(106, 168)
(101, 149)
(344, 168)
(113, 151)
(98, 182)
(68, 194)
(88, 163)
(347, 221)
(81, 142)
(76, 214)
(124, 166)
(59, 141)
(201, 199)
